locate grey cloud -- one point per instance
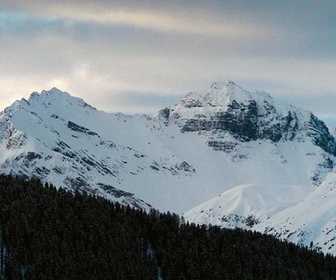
(135, 102)
(296, 30)
(43, 44)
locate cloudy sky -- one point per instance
(139, 56)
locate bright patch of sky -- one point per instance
(141, 56)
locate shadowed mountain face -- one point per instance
(246, 116)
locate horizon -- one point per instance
(330, 123)
(138, 57)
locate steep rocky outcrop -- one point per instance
(246, 116)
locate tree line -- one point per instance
(50, 233)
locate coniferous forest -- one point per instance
(54, 234)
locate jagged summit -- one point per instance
(225, 96)
(221, 94)
(53, 90)
(227, 113)
(56, 97)
(52, 94)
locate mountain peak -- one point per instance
(220, 95)
(53, 92)
(235, 92)
(223, 84)
(227, 109)
(56, 98)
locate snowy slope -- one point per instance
(311, 222)
(63, 140)
(302, 215)
(205, 145)
(246, 205)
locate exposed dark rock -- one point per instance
(41, 171)
(164, 115)
(78, 183)
(69, 154)
(246, 123)
(57, 150)
(239, 119)
(222, 145)
(63, 145)
(251, 220)
(250, 121)
(184, 166)
(321, 136)
(58, 170)
(102, 168)
(31, 156)
(155, 166)
(113, 191)
(234, 219)
(78, 128)
(191, 103)
(108, 144)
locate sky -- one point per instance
(140, 56)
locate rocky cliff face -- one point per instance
(245, 123)
(227, 109)
(320, 135)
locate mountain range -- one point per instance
(226, 156)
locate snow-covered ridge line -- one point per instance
(245, 146)
(246, 116)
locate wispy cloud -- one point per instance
(181, 22)
(173, 22)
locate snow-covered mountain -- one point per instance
(247, 205)
(228, 112)
(311, 222)
(302, 215)
(252, 156)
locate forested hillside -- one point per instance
(54, 234)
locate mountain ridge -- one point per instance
(208, 144)
(247, 116)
